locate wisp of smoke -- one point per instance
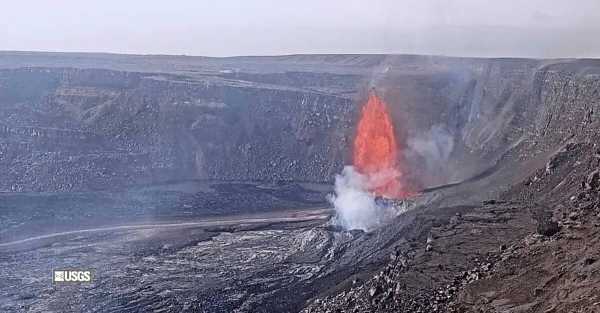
(356, 207)
(434, 146)
(431, 150)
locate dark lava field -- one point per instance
(196, 184)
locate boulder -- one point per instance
(547, 227)
(593, 181)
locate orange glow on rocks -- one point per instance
(376, 150)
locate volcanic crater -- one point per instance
(196, 184)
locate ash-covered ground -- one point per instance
(199, 184)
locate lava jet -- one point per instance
(377, 154)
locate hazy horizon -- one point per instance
(469, 28)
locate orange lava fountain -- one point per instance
(376, 150)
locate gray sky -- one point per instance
(531, 28)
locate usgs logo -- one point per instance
(72, 276)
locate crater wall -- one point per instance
(89, 122)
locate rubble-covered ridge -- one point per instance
(534, 250)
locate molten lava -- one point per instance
(376, 150)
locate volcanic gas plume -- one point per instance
(376, 150)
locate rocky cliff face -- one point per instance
(113, 121)
(71, 129)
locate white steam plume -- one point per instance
(431, 150)
(356, 207)
(434, 146)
